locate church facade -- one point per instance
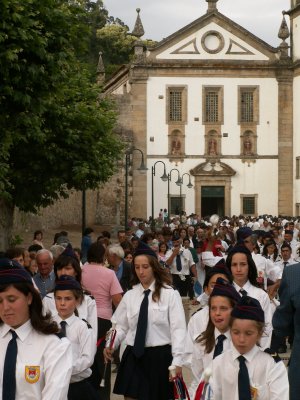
(215, 112)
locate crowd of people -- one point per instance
(121, 300)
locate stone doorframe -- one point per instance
(213, 173)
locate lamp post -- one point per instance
(189, 185)
(178, 183)
(164, 178)
(142, 168)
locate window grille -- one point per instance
(249, 205)
(175, 105)
(211, 106)
(247, 111)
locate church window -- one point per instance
(212, 105)
(248, 105)
(249, 204)
(176, 105)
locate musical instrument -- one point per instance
(110, 338)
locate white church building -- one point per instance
(216, 107)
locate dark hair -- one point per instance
(37, 233)
(78, 294)
(14, 252)
(211, 272)
(265, 249)
(260, 325)
(207, 338)
(40, 322)
(106, 234)
(146, 237)
(34, 248)
(63, 260)
(96, 253)
(286, 245)
(161, 276)
(162, 244)
(87, 231)
(252, 270)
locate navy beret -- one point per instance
(13, 272)
(67, 282)
(226, 289)
(144, 249)
(239, 249)
(248, 308)
(243, 233)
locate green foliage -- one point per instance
(56, 133)
(15, 241)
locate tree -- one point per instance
(56, 133)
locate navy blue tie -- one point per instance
(141, 329)
(219, 346)
(178, 263)
(63, 325)
(9, 370)
(243, 380)
(243, 292)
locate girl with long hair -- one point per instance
(151, 319)
(35, 363)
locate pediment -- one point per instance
(213, 37)
(213, 167)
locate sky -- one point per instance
(161, 18)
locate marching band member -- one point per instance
(216, 337)
(68, 264)
(245, 371)
(35, 363)
(68, 294)
(151, 318)
(244, 272)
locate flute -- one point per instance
(111, 335)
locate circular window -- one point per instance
(212, 42)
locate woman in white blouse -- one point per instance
(144, 374)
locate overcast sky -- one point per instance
(164, 17)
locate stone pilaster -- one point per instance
(285, 142)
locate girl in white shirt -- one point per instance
(250, 372)
(143, 372)
(216, 338)
(244, 272)
(67, 294)
(43, 361)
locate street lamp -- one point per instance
(142, 168)
(178, 183)
(189, 185)
(164, 178)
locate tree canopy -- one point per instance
(56, 132)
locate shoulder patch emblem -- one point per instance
(32, 373)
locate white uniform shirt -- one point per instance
(86, 310)
(197, 324)
(166, 320)
(186, 262)
(264, 300)
(267, 376)
(280, 263)
(83, 346)
(266, 268)
(44, 363)
(202, 360)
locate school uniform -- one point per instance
(197, 324)
(86, 310)
(181, 273)
(202, 360)
(83, 350)
(264, 300)
(44, 363)
(268, 377)
(147, 377)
